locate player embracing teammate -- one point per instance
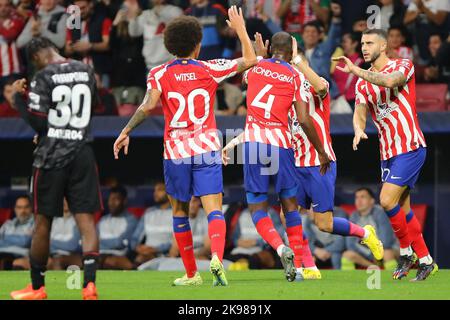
(387, 91)
(192, 159)
(315, 186)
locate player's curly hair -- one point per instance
(182, 36)
(37, 44)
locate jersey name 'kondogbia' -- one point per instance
(63, 95)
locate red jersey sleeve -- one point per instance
(154, 76)
(221, 69)
(360, 93)
(406, 67)
(302, 88)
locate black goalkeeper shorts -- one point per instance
(78, 182)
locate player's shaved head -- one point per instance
(281, 45)
(183, 36)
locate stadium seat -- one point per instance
(431, 97)
(137, 211)
(5, 214)
(420, 211)
(348, 208)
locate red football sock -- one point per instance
(307, 258)
(415, 232)
(216, 231)
(295, 238)
(356, 230)
(266, 230)
(397, 218)
(186, 248)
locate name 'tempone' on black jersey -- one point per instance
(63, 94)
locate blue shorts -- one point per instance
(264, 163)
(404, 169)
(199, 175)
(316, 191)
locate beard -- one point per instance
(374, 57)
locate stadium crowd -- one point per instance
(122, 40)
(144, 240)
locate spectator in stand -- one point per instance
(15, 236)
(153, 235)
(216, 41)
(354, 11)
(199, 227)
(115, 231)
(326, 248)
(6, 107)
(250, 250)
(319, 53)
(261, 16)
(345, 81)
(90, 43)
(106, 104)
(25, 9)
(129, 73)
(427, 17)
(11, 24)
(228, 99)
(359, 25)
(65, 242)
(397, 48)
(392, 13)
(48, 22)
(435, 70)
(367, 213)
(297, 13)
(150, 25)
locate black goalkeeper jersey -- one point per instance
(59, 108)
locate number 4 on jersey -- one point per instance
(267, 106)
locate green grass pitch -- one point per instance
(268, 284)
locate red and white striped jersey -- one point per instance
(273, 85)
(319, 109)
(188, 90)
(9, 54)
(393, 111)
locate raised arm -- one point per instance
(302, 65)
(390, 80)
(147, 105)
(236, 21)
(305, 121)
(359, 124)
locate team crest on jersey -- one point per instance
(384, 110)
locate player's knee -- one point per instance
(387, 202)
(324, 225)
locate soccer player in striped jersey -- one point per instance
(316, 191)
(387, 91)
(192, 161)
(273, 86)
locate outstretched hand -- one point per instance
(20, 86)
(236, 19)
(349, 66)
(122, 141)
(261, 47)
